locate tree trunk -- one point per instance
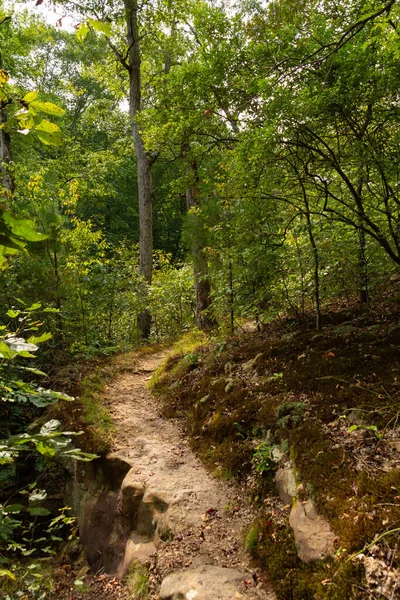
(204, 319)
(318, 316)
(144, 160)
(5, 156)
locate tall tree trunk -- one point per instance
(307, 213)
(5, 156)
(204, 319)
(5, 150)
(144, 159)
(362, 255)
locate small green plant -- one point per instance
(372, 428)
(137, 581)
(262, 458)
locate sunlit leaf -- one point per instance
(48, 108)
(81, 31)
(41, 338)
(30, 96)
(101, 26)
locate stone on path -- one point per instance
(205, 583)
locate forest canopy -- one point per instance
(177, 162)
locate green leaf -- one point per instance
(23, 228)
(81, 31)
(41, 338)
(5, 351)
(34, 371)
(101, 27)
(34, 306)
(46, 449)
(13, 509)
(13, 314)
(353, 428)
(47, 126)
(50, 427)
(30, 96)
(51, 310)
(79, 455)
(38, 511)
(50, 139)
(6, 573)
(48, 107)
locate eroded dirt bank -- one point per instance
(153, 501)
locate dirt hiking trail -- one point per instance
(186, 526)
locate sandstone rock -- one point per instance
(313, 535)
(206, 583)
(286, 485)
(277, 454)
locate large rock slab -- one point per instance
(206, 583)
(313, 535)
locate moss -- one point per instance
(252, 538)
(183, 357)
(234, 456)
(289, 414)
(96, 418)
(294, 580)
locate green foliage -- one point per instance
(262, 458)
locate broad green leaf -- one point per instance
(23, 228)
(81, 31)
(41, 338)
(47, 107)
(101, 26)
(13, 509)
(34, 306)
(50, 139)
(38, 511)
(46, 449)
(47, 126)
(51, 310)
(13, 313)
(50, 427)
(30, 96)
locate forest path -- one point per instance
(198, 522)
